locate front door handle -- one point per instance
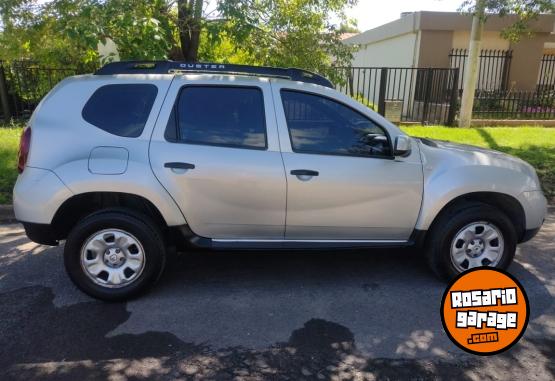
(177, 165)
(304, 172)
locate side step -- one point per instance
(229, 244)
(290, 244)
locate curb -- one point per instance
(6, 214)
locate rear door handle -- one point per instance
(304, 172)
(177, 165)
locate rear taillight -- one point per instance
(24, 145)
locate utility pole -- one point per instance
(471, 71)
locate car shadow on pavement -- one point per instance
(257, 316)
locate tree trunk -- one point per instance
(195, 31)
(471, 71)
(189, 15)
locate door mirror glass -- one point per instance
(402, 146)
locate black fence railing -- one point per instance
(24, 83)
(493, 69)
(546, 79)
(423, 95)
(514, 105)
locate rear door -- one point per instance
(215, 149)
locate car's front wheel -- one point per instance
(114, 254)
(470, 235)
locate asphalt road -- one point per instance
(342, 315)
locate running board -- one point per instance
(292, 244)
(234, 244)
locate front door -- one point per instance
(217, 153)
(342, 181)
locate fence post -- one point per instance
(350, 83)
(429, 75)
(382, 92)
(454, 98)
(4, 97)
(506, 71)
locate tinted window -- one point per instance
(321, 125)
(227, 116)
(121, 109)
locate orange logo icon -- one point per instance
(485, 311)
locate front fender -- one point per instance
(441, 187)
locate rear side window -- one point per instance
(221, 116)
(121, 109)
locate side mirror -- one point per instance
(402, 146)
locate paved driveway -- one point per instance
(343, 315)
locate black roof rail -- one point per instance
(165, 67)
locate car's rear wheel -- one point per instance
(470, 235)
(114, 254)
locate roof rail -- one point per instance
(168, 67)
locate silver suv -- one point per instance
(142, 156)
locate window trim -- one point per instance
(386, 132)
(175, 109)
(121, 84)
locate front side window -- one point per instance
(321, 125)
(121, 109)
(219, 115)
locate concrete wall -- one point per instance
(525, 65)
(424, 39)
(397, 51)
(549, 48)
(404, 25)
(457, 21)
(434, 48)
(490, 40)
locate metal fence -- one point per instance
(514, 105)
(546, 78)
(424, 95)
(24, 83)
(493, 69)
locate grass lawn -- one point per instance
(9, 145)
(536, 145)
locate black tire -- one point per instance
(139, 226)
(451, 221)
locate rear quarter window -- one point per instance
(121, 110)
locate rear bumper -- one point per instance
(40, 233)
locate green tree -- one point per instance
(190, 22)
(526, 11)
(297, 33)
(67, 32)
(349, 27)
(268, 32)
(141, 29)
